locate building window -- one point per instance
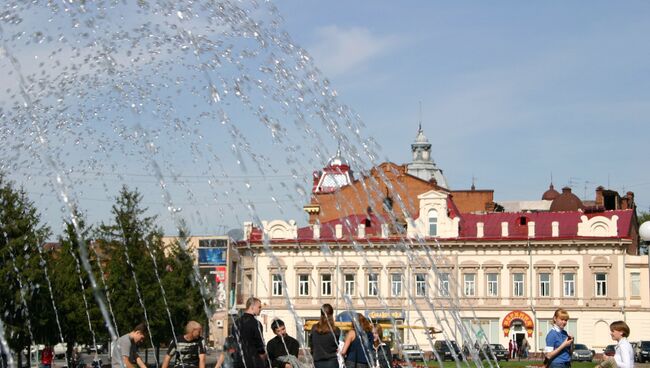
(443, 284)
(396, 284)
(373, 284)
(492, 284)
(469, 284)
(326, 284)
(635, 284)
(276, 284)
(433, 223)
(349, 284)
(544, 284)
(569, 281)
(303, 285)
(518, 284)
(601, 284)
(420, 284)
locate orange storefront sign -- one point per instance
(517, 315)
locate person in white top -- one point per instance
(624, 357)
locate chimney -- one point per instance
(600, 200)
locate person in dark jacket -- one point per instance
(248, 333)
(382, 356)
(324, 339)
(281, 346)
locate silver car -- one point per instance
(581, 353)
(412, 353)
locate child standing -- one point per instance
(557, 352)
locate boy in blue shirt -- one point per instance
(557, 352)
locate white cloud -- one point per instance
(338, 50)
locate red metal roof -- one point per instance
(568, 225)
(567, 221)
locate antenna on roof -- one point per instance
(473, 182)
(420, 118)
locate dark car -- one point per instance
(444, 349)
(581, 353)
(643, 351)
(500, 352)
(610, 350)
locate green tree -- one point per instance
(78, 313)
(138, 270)
(643, 216)
(23, 296)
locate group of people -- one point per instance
(362, 346)
(557, 353)
(188, 350)
(518, 350)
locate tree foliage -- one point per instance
(144, 283)
(24, 299)
(643, 216)
(79, 315)
(47, 296)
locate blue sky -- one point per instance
(511, 93)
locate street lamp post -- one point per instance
(644, 234)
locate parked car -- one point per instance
(59, 350)
(610, 350)
(99, 348)
(581, 353)
(643, 351)
(499, 351)
(411, 353)
(443, 349)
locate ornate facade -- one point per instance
(419, 260)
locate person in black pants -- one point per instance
(324, 339)
(282, 347)
(248, 333)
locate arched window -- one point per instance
(433, 223)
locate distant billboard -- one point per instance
(212, 256)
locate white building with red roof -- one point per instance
(480, 277)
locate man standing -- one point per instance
(248, 333)
(189, 349)
(282, 347)
(125, 349)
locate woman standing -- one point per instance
(358, 342)
(557, 353)
(624, 357)
(383, 357)
(325, 339)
